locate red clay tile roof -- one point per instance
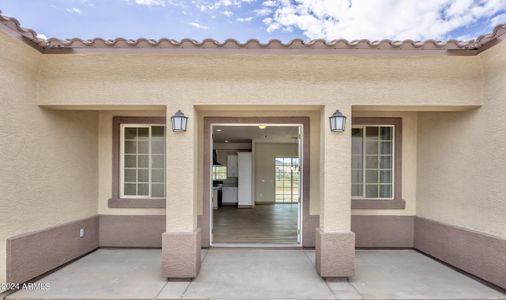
(56, 45)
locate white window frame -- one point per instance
(122, 161)
(363, 127)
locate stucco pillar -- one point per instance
(181, 241)
(334, 241)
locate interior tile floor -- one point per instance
(258, 274)
(265, 224)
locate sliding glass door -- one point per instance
(287, 179)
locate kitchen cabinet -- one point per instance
(229, 195)
(232, 166)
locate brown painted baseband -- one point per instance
(481, 255)
(383, 231)
(31, 254)
(139, 231)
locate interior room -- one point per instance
(256, 184)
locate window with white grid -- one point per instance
(142, 161)
(372, 163)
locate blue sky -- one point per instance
(262, 19)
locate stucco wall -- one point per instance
(116, 78)
(265, 153)
(48, 159)
(409, 164)
(461, 158)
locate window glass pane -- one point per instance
(130, 147)
(386, 147)
(157, 190)
(143, 161)
(130, 133)
(143, 147)
(143, 133)
(371, 176)
(357, 141)
(130, 161)
(386, 133)
(158, 131)
(158, 161)
(356, 190)
(371, 190)
(386, 162)
(130, 176)
(158, 147)
(356, 176)
(371, 162)
(143, 175)
(385, 191)
(371, 147)
(385, 176)
(371, 133)
(158, 175)
(130, 189)
(143, 189)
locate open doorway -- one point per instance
(256, 184)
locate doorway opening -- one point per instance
(256, 184)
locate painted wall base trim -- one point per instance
(383, 231)
(31, 254)
(144, 231)
(479, 254)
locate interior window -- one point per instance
(219, 172)
(372, 162)
(142, 161)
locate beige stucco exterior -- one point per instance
(56, 130)
(461, 158)
(48, 159)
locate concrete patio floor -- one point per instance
(258, 274)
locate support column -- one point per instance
(334, 241)
(181, 241)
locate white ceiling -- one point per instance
(242, 134)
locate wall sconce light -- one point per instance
(337, 122)
(179, 122)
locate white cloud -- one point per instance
(228, 13)
(244, 20)
(74, 10)
(41, 36)
(198, 26)
(264, 11)
(150, 2)
(379, 19)
(498, 20)
(209, 5)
